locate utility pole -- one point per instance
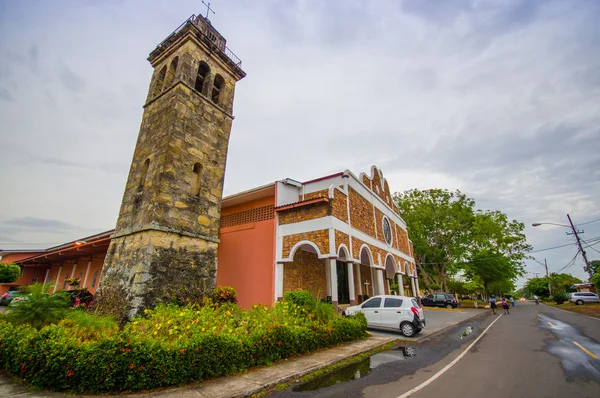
(548, 277)
(575, 232)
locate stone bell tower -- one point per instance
(165, 243)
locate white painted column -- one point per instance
(333, 281)
(73, 274)
(278, 281)
(380, 281)
(87, 272)
(401, 284)
(412, 282)
(57, 278)
(351, 284)
(418, 290)
(46, 277)
(388, 285)
(328, 278)
(358, 278)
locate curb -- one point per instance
(298, 375)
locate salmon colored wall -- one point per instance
(246, 257)
(26, 276)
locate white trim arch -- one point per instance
(394, 265)
(369, 255)
(347, 258)
(304, 243)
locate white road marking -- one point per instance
(451, 364)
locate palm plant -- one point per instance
(38, 308)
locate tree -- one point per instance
(595, 279)
(538, 286)
(438, 225)
(495, 271)
(448, 234)
(561, 283)
(9, 272)
(594, 266)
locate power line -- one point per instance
(589, 222)
(570, 263)
(493, 258)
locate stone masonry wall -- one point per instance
(340, 238)
(320, 238)
(308, 212)
(166, 238)
(339, 208)
(361, 213)
(324, 193)
(306, 272)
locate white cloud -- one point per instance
(497, 99)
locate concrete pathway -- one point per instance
(239, 385)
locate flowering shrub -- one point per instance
(169, 345)
(224, 294)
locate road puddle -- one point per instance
(465, 332)
(356, 370)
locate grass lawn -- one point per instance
(589, 309)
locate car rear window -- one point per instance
(415, 303)
(373, 303)
(392, 303)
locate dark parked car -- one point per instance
(8, 297)
(440, 300)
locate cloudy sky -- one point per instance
(500, 99)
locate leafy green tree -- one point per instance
(438, 225)
(561, 283)
(448, 233)
(595, 279)
(38, 308)
(455, 286)
(9, 272)
(538, 286)
(435, 286)
(595, 266)
(472, 287)
(495, 272)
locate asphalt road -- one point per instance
(536, 351)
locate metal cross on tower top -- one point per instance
(208, 9)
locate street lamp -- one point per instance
(587, 268)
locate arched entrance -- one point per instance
(344, 277)
(368, 275)
(306, 272)
(390, 271)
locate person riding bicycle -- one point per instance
(537, 301)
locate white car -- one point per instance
(392, 312)
(584, 297)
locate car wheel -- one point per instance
(579, 302)
(407, 329)
(449, 306)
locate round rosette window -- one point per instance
(387, 231)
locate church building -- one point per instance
(339, 236)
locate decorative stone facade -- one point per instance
(167, 231)
(304, 213)
(319, 238)
(357, 208)
(306, 272)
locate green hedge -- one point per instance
(169, 346)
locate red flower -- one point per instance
(181, 351)
(196, 350)
(279, 342)
(131, 366)
(122, 349)
(69, 372)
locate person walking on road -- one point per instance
(512, 301)
(492, 301)
(505, 306)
